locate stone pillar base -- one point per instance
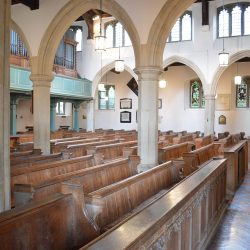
(144, 167)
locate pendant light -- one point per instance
(101, 86)
(162, 84)
(119, 63)
(223, 56)
(237, 78)
(100, 40)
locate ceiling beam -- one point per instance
(32, 4)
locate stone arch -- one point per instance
(190, 64)
(220, 70)
(103, 71)
(161, 28)
(67, 15)
(18, 30)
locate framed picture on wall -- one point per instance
(125, 117)
(126, 103)
(159, 103)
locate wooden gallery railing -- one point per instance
(184, 218)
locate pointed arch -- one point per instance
(72, 10)
(18, 30)
(220, 70)
(103, 71)
(161, 29)
(190, 64)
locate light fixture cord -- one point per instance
(101, 17)
(223, 27)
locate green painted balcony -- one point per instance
(61, 85)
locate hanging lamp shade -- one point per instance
(101, 87)
(237, 80)
(223, 59)
(162, 84)
(100, 43)
(119, 65)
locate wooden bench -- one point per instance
(199, 157)
(57, 147)
(81, 149)
(173, 152)
(109, 204)
(186, 217)
(109, 152)
(237, 156)
(42, 172)
(203, 141)
(39, 187)
(23, 154)
(57, 222)
(183, 138)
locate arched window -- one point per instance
(242, 93)
(236, 21)
(233, 19)
(247, 21)
(182, 29)
(186, 27)
(223, 23)
(116, 35)
(79, 40)
(197, 99)
(106, 98)
(109, 36)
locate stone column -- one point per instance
(13, 106)
(4, 105)
(148, 78)
(76, 106)
(209, 114)
(53, 103)
(91, 116)
(41, 109)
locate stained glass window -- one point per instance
(242, 95)
(107, 98)
(197, 99)
(186, 27)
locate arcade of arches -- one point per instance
(50, 82)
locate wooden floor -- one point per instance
(234, 231)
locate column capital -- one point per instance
(148, 72)
(41, 80)
(209, 97)
(77, 104)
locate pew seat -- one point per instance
(109, 204)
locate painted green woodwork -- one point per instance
(61, 85)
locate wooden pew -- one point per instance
(203, 141)
(40, 173)
(57, 147)
(186, 217)
(81, 149)
(33, 160)
(109, 152)
(15, 155)
(109, 204)
(183, 138)
(199, 157)
(57, 222)
(173, 152)
(38, 187)
(237, 156)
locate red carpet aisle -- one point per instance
(234, 231)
